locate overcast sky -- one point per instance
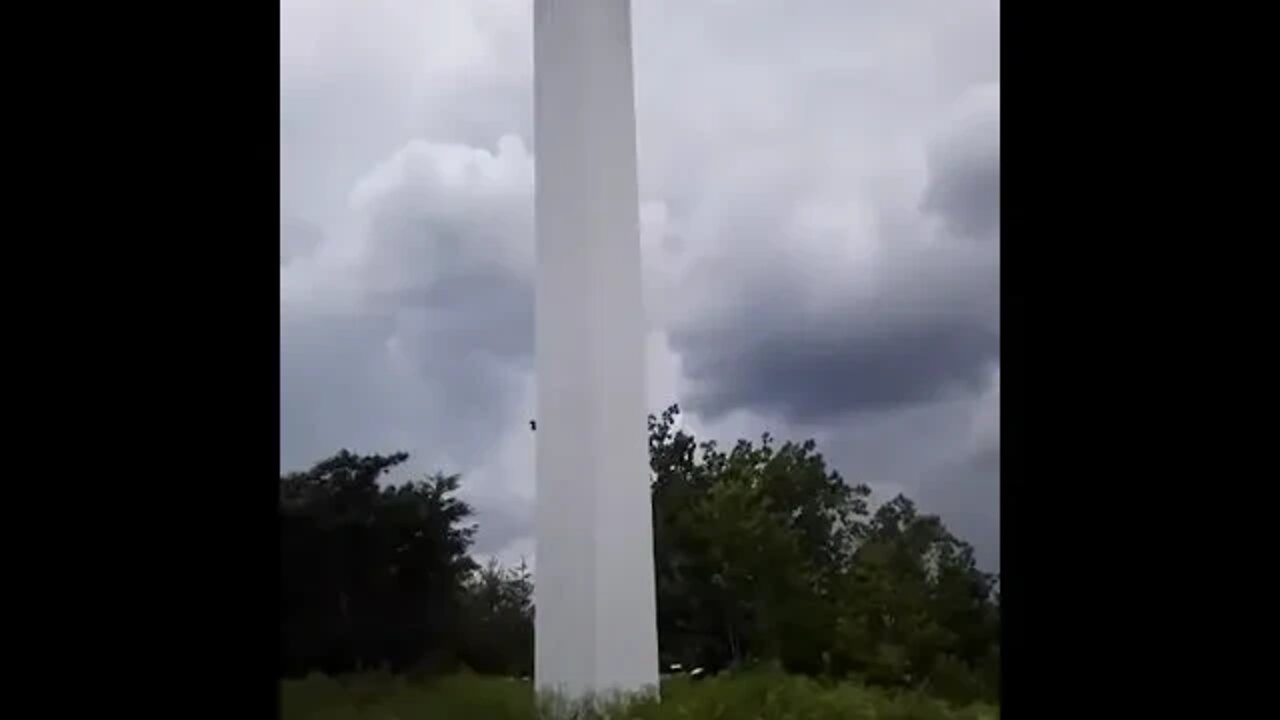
(819, 187)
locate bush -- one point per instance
(952, 680)
(755, 694)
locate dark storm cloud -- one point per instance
(827, 368)
(965, 168)
(930, 332)
(967, 195)
(929, 328)
(411, 327)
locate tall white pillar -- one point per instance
(596, 626)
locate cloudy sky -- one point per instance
(819, 187)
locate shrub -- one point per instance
(760, 694)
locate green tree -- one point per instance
(498, 620)
(765, 553)
(748, 544)
(913, 597)
(371, 574)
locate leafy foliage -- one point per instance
(763, 554)
(498, 621)
(371, 574)
(760, 695)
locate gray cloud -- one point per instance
(412, 330)
(320, 414)
(488, 310)
(504, 524)
(967, 495)
(821, 249)
(965, 168)
(298, 238)
(967, 195)
(831, 366)
(908, 322)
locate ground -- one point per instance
(754, 696)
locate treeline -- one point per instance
(763, 554)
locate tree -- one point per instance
(371, 574)
(763, 553)
(912, 597)
(498, 620)
(747, 545)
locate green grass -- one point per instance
(746, 696)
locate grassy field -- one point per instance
(748, 696)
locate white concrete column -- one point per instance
(596, 628)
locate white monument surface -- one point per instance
(596, 626)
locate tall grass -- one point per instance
(758, 695)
